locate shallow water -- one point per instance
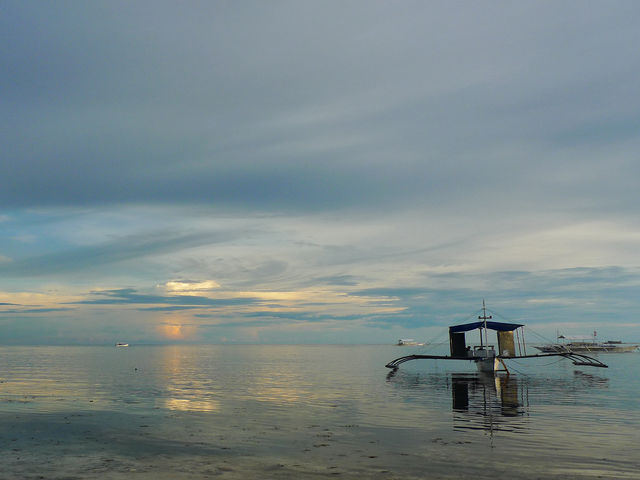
(310, 412)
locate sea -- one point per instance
(310, 412)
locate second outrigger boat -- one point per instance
(581, 345)
(511, 345)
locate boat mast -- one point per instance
(485, 318)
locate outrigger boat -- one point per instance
(511, 345)
(581, 345)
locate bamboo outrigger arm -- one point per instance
(576, 358)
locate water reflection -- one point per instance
(480, 401)
(210, 379)
(191, 405)
(487, 402)
(187, 388)
(500, 393)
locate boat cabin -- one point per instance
(505, 337)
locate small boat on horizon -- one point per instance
(408, 342)
(119, 344)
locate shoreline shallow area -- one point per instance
(102, 445)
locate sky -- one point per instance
(317, 171)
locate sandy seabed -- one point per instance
(108, 446)
(103, 445)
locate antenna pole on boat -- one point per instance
(485, 318)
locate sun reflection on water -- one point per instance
(187, 388)
(191, 404)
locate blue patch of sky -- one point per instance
(129, 296)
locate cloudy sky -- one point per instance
(317, 171)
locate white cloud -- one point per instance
(190, 287)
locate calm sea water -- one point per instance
(310, 412)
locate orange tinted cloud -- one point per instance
(176, 331)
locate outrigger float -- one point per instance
(511, 346)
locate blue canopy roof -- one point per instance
(498, 326)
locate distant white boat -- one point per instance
(122, 344)
(408, 342)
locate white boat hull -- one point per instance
(488, 365)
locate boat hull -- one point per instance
(488, 365)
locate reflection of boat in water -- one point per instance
(408, 342)
(581, 345)
(119, 344)
(492, 402)
(478, 401)
(511, 345)
(480, 395)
